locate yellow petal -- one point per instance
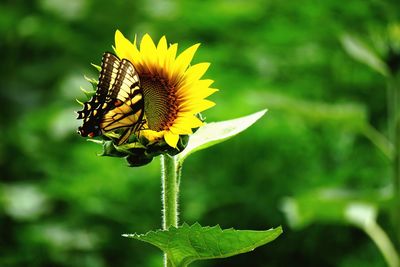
(169, 60)
(121, 45)
(147, 45)
(180, 129)
(196, 107)
(186, 88)
(125, 49)
(184, 59)
(195, 72)
(162, 50)
(149, 52)
(151, 135)
(201, 93)
(190, 121)
(196, 90)
(171, 139)
(196, 122)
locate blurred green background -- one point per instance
(61, 205)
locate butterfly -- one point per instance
(118, 102)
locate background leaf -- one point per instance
(343, 207)
(332, 205)
(318, 99)
(361, 52)
(186, 244)
(216, 132)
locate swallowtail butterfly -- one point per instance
(118, 102)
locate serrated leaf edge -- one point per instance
(278, 232)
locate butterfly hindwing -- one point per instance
(128, 102)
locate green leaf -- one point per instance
(348, 116)
(333, 205)
(351, 116)
(361, 52)
(217, 132)
(343, 207)
(186, 244)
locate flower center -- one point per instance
(160, 105)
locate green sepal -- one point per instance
(181, 145)
(186, 244)
(140, 159)
(93, 82)
(110, 150)
(80, 102)
(134, 153)
(97, 67)
(87, 93)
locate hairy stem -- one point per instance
(170, 174)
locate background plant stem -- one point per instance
(378, 235)
(170, 189)
(397, 158)
(394, 127)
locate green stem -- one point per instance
(382, 241)
(379, 140)
(170, 175)
(394, 127)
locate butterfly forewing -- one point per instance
(109, 68)
(108, 75)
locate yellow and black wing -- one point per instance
(118, 102)
(127, 109)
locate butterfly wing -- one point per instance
(128, 105)
(94, 109)
(118, 102)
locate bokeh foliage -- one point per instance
(61, 205)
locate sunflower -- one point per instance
(173, 90)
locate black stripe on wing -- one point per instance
(129, 104)
(94, 109)
(108, 75)
(118, 102)
(109, 69)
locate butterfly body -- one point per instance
(118, 102)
